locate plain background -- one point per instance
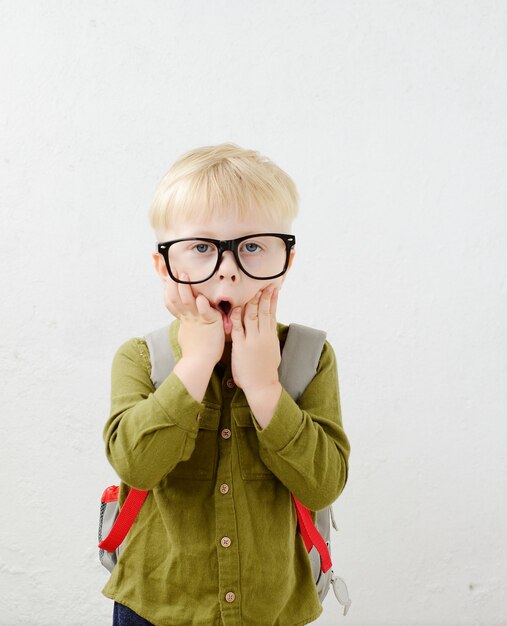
(390, 116)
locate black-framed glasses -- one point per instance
(261, 256)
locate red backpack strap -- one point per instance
(311, 535)
(126, 516)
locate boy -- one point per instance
(220, 443)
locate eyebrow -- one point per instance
(211, 236)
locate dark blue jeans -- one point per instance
(123, 616)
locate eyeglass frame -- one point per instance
(222, 246)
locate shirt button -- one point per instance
(226, 542)
(226, 433)
(230, 597)
(224, 488)
(230, 383)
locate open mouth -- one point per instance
(224, 306)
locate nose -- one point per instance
(228, 267)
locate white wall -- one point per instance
(391, 118)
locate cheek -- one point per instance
(198, 292)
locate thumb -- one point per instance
(205, 309)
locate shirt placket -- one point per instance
(226, 528)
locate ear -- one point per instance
(160, 267)
(291, 258)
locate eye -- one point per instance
(200, 246)
(250, 243)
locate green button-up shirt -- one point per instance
(216, 541)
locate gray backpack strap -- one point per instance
(300, 358)
(161, 355)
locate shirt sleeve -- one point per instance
(149, 431)
(305, 444)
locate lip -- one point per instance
(225, 299)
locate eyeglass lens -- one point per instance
(262, 257)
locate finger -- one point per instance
(175, 298)
(187, 295)
(264, 309)
(168, 301)
(172, 298)
(274, 304)
(251, 318)
(204, 308)
(237, 332)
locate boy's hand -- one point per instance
(201, 334)
(255, 354)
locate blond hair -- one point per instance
(223, 181)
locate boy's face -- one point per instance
(228, 282)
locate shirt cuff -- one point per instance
(173, 393)
(285, 424)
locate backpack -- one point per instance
(299, 360)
